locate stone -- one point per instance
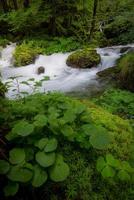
(40, 70)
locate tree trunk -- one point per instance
(4, 5)
(93, 18)
(26, 3)
(15, 4)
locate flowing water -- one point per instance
(61, 77)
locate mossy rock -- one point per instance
(109, 72)
(86, 58)
(25, 54)
(126, 75)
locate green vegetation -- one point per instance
(39, 125)
(126, 75)
(24, 54)
(86, 58)
(118, 102)
(3, 41)
(56, 147)
(3, 89)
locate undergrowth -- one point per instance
(64, 146)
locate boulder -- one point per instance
(40, 70)
(86, 58)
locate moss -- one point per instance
(126, 75)
(119, 129)
(24, 54)
(86, 58)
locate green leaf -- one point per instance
(69, 116)
(108, 172)
(20, 174)
(80, 108)
(112, 161)
(23, 128)
(41, 143)
(100, 139)
(40, 176)
(51, 145)
(123, 175)
(100, 164)
(40, 120)
(126, 166)
(16, 156)
(67, 131)
(4, 167)
(11, 189)
(59, 171)
(45, 159)
(88, 129)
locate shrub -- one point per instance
(3, 42)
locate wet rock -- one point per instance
(124, 49)
(86, 58)
(109, 73)
(40, 70)
(106, 54)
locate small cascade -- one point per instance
(61, 77)
(6, 59)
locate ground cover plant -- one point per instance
(117, 101)
(38, 129)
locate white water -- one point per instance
(62, 77)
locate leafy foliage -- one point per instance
(39, 125)
(118, 101)
(111, 167)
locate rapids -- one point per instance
(61, 77)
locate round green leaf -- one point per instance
(100, 164)
(4, 167)
(11, 189)
(88, 129)
(40, 177)
(108, 172)
(23, 128)
(112, 161)
(100, 139)
(45, 159)
(20, 174)
(123, 175)
(51, 145)
(41, 143)
(16, 156)
(59, 171)
(126, 166)
(40, 120)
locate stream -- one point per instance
(62, 78)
